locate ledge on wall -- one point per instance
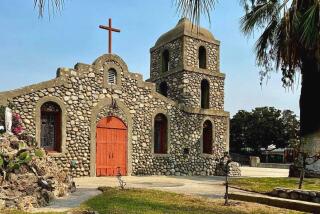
(204, 111)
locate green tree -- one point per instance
(291, 128)
(262, 127)
(239, 128)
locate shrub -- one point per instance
(28, 138)
(17, 125)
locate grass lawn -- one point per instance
(129, 201)
(155, 202)
(265, 185)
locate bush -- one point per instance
(17, 125)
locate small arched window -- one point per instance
(207, 137)
(205, 94)
(112, 76)
(51, 123)
(160, 134)
(202, 57)
(165, 60)
(163, 89)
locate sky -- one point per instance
(32, 49)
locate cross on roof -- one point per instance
(110, 29)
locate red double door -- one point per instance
(111, 154)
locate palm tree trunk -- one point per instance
(309, 102)
(309, 109)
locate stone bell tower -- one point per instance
(185, 67)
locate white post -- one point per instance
(8, 120)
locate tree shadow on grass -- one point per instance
(139, 201)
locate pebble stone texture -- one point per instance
(85, 96)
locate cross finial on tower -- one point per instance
(110, 29)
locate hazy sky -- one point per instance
(32, 49)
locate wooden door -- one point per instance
(111, 147)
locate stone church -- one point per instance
(104, 119)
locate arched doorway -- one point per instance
(111, 153)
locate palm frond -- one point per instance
(193, 9)
(266, 40)
(259, 14)
(310, 25)
(51, 6)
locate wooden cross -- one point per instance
(110, 29)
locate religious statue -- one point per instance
(8, 120)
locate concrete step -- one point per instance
(275, 165)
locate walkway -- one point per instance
(263, 172)
(211, 187)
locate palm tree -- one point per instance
(290, 42)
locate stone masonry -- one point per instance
(85, 96)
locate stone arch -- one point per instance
(205, 94)
(94, 120)
(61, 104)
(116, 69)
(165, 58)
(163, 112)
(102, 60)
(202, 57)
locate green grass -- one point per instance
(155, 202)
(141, 201)
(265, 185)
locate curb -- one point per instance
(303, 206)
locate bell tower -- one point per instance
(185, 67)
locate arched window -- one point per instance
(112, 76)
(207, 137)
(205, 94)
(202, 57)
(160, 134)
(165, 60)
(51, 127)
(163, 89)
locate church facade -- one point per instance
(106, 120)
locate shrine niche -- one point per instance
(51, 127)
